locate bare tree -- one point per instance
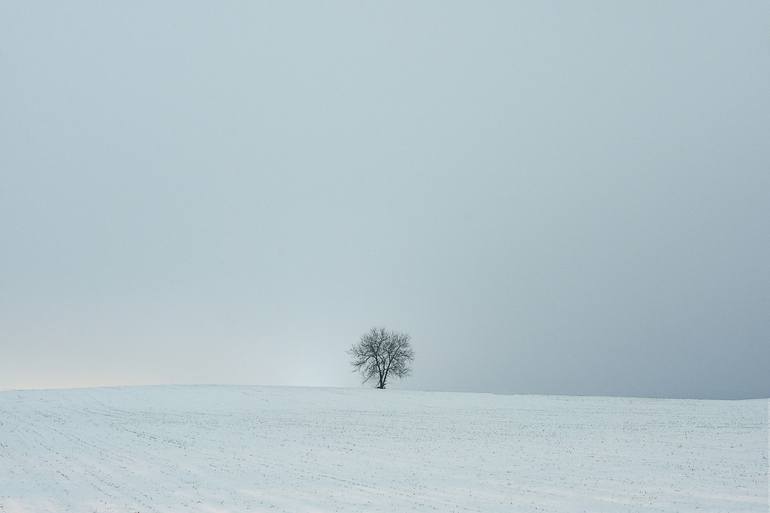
(381, 354)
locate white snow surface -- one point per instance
(233, 449)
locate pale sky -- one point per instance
(551, 197)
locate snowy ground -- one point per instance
(253, 449)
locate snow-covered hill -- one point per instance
(253, 449)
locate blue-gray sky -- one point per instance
(551, 197)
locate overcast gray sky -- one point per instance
(551, 197)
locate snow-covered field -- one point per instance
(255, 449)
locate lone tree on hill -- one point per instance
(382, 353)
